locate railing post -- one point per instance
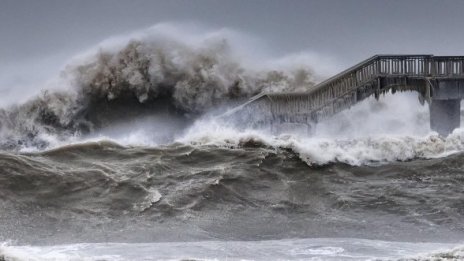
(432, 69)
(424, 67)
(402, 67)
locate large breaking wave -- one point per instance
(165, 69)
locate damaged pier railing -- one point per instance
(436, 78)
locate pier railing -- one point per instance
(395, 65)
(373, 76)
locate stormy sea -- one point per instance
(127, 155)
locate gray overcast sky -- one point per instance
(349, 30)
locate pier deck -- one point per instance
(439, 80)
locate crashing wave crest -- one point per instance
(146, 72)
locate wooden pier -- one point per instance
(439, 80)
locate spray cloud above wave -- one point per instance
(183, 69)
(196, 74)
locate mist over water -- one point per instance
(129, 144)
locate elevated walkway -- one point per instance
(439, 80)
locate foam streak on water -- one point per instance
(290, 249)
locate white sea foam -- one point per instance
(357, 151)
(152, 197)
(286, 249)
(393, 129)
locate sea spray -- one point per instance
(397, 129)
(164, 68)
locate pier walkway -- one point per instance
(439, 80)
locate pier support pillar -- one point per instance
(445, 115)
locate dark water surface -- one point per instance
(104, 192)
